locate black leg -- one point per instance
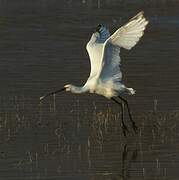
(124, 127)
(129, 112)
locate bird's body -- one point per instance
(103, 50)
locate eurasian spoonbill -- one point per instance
(105, 76)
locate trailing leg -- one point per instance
(129, 112)
(124, 127)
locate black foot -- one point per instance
(135, 128)
(124, 129)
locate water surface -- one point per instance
(42, 47)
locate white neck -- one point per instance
(75, 89)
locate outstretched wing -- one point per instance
(110, 67)
(95, 49)
(127, 36)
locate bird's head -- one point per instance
(68, 87)
(73, 89)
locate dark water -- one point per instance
(42, 47)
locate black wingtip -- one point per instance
(99, 27)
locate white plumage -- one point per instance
(105, 76)
(103, 49)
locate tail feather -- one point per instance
(131, 91)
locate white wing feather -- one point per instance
(127, 36)
(111, 64)
(95, 52)
(95, 49)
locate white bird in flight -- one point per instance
(106, 76)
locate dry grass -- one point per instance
(19, 113)
(34, 133)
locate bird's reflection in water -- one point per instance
(87, 150)
(128, 156)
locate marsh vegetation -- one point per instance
(42, 47)
(87, 141)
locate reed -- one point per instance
(44, 132)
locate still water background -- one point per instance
(42, 47)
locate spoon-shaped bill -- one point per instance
(51, 93)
